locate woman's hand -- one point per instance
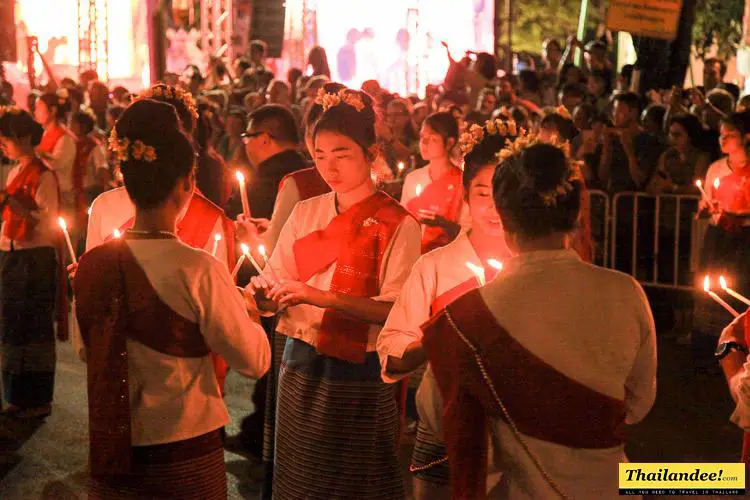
(251, 305)
(292, 293)
(260, 289)
(249, 229)
(72, 270)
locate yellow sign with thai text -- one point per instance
(649, 18)
(682, 479)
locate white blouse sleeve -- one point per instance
(410, 311)
(61, 161)
(226, 326)
(282, 260)
(285, 201)
(640, 386)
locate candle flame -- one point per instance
(706, 284)
(698, 183)
(117, 234)
(262, 250)
(217, 237)
(401, 166)
(89, 210)
(245, 249)
(495, 264)
(717, 183)
(240, 177)
(723, 283)
(62, 223)
(419, 189)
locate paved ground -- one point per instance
(48, 461)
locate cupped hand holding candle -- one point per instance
(64, 227)
(243, 193)
(736, 295)
(719, 300)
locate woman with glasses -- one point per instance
(397, 134)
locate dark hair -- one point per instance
(238, 112)
(115, 112)
(443, 123)
(18, 124)
(562, 78)
(530, 80)
(722, 65)
(344, 119)
(605, 76)
(315, 110)
(156, 124)
(259, 46)
(731, 88)
(85, 120)
(573, 90)
(740, 121)
(486, 65)
(626, 72)
(482, 154)
(565, 127)
(630, 99)
(588, 111)
(242, 64)
(277, 121)
(186, 114)
(654, 113)
(318, 59)
(692, 126)
(523, 185)
(61, 104)
(204, 128)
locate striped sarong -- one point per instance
(28, 286)
(336, 430)
(189, 469)
(428, 461)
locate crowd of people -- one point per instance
(374, 244)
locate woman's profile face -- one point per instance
(396, 116)
(678, 137)
(481, 203)
(41, 112)
(730, 139)
(10, 148)
(431, 144)
(341, 161)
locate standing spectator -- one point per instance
(258, 52)
(714, 70)
(211, 176)
(231, 147)
(599, 85)
(630, 155)
(317, 62)
(529, 87)
(398, 134)
(684, 161)
(90, 168)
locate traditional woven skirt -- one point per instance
(337, 429)
(278, 343)
(725, 252)
(429, 459)
(189, 469)
(28, 285)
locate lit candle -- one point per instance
(262, 252)
(419, 190)
(496, 264)
(238, 266)
(401, 167)
(738, 296)
(64, 228)
(217, 239)
(246, 253)
(478, 271)
(699, 185)
(707, 289)
(117, 234)
(717, 183)
(243, 193)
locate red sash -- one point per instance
(733, 194)
(543, 403)
(443, 196)
(114, 302)
(309, 183)
(50, 138)
(356, 240)
(451, 295)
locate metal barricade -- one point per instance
(600, 225)
(664, 214)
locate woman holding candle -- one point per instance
(433, 193)
(727, 238)
(342, 259)
(151, 309)
(551, 391)
(438, 278)
(29, 270)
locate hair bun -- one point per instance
(153, 122)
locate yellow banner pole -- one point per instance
(582, 29)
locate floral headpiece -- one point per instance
(475, 134)
(12, 110)
(330, 100)
(169, 92)
(124, 149)
(524, 141)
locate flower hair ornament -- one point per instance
(476, 133)
(169, 92)
(524, 141)
(125, 150)
(563, 112)
(327, 101)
